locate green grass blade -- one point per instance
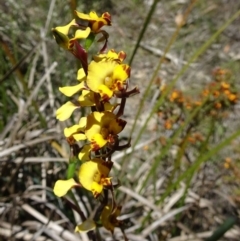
(226, 225)
(147, 20)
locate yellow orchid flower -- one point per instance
(95, 22)
(103, 128)
(109, 217)
(111, 54)
(61, 34)
(93, 175)
(105, 77)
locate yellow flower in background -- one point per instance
(95, 22)
(93, 175)
(105, 77)
(109, 217)
(103, 128)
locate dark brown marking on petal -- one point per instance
(107, 17)
(121, 122)
(108, 164)
(94, 145)
(122, 55)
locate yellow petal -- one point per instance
(81, 74)
(107, 118)
(122, 55)
(96, 189)
(87, 172)
(97, 117)
(83, 15)
(83, 122)
(86, 98)
(121, 72)
(105, 92)
(97, 142)
(119, 57)
(86, 226)
(112, 54)
(93, 124)
(109, 217)
(69, 131)
(71, 90)
(61, 187)
(60, 38)
(116, 126)
(93, 15)
(65, 111)
(79, 137)
(84, 153)
(92, 174)
(65, 29)
(95, 22)
(109, 107)
(81, 34)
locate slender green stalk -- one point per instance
(147, 20)
(225, 226)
